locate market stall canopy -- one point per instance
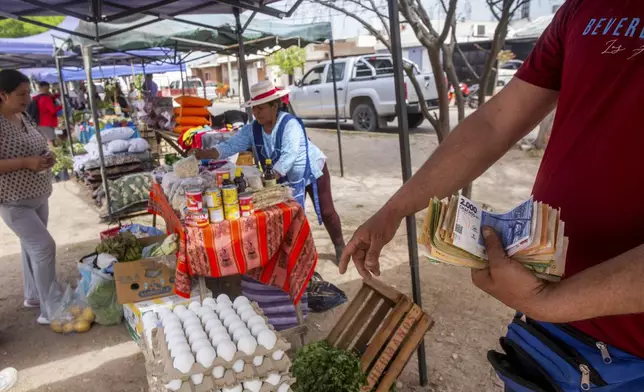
(99, 11)
(51, 75)
(213, 33)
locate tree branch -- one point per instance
(383, 18)
(449, 20)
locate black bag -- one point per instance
(32, 109)
(323, 295)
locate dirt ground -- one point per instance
(468, 322)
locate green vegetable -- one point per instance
(101, 297)
(170, 159)
(124, 246)
(319, 367)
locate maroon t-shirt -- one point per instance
(593, 167)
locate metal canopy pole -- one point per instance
(87, 60)
(243, 71)
(63, 98)
(335, 101)
(405, 159)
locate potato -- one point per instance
(81, 326)
(75, 310)
(68, 327)
(57, 326)
(87, 315)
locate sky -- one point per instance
(345, 27)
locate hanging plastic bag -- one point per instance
(101, 296)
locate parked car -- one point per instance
(191, 86)
(365, 87)
(507, 71)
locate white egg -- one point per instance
(179, 348)
(175, 336)
(221, 306)
(241, 300)
(212, 323)
(167, 322)
(184, 362)
(196, 336)
(283, 388)
(162, 312)
(224, 298)
(200, 343)
(209, 302)
(224, 314)
(208, 317)
(193, 328)
(204, 310)
(253, 385)
(267, 339)
(235, 324)
(218, 331)
(236, 388)
(257, 319)
(192, 323)
(257, 329)
(258, 360)
(238, 366)
(246, 344)
(218, 371)
(197, 379)
(179, 309)
(186, 314)
(206, 356)
(239, 333)
(246, 314)
(219, 339)
(194, 306)
(172, 328)
(174, 385)
(273, 379)
(277, 355)
(150, 316)
(226, 350)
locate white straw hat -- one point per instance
(263, 92)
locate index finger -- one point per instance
(349, 250)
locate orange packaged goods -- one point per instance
(181, 128)
(192, 102)
(190, 111)
(192, 121)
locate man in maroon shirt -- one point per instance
(590, 63)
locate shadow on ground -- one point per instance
(23, 342)
(345, 126)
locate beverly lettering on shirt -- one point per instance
(624, 34)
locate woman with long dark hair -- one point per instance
(25, 187)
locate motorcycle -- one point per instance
(472, 99)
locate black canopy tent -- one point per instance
(101, 11)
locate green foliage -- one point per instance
(319, 367)
(288, 60)
(11, 28)
(64, 159)
(139, 80)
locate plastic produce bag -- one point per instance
(68, 310)
(187, 167)
(101, 296)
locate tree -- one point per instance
(11, 28)
(503, 11)
(288, 60)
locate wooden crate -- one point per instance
(383, 326)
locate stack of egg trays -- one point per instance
(230, 378)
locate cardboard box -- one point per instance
(134, 312)
(145, 279)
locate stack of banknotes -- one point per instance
(531, 233)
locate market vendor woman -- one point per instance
(281, 137)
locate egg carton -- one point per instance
(208, 385)
(249, 372)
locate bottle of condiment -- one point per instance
(270, 178)
(226, 180)
(240, 181)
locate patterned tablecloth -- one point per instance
(274, 246)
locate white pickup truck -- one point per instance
(366, 92)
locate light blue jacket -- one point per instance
(292, 162)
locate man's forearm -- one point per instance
(610, 288)
(475, 145)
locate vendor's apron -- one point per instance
(298, 185)
(547, 357)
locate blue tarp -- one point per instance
(50, 75)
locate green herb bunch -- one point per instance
(319, 367)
